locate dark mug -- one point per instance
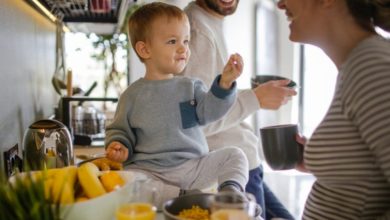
(281, 150)
(260, 79)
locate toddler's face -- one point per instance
(169, 45)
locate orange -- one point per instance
(111, 180)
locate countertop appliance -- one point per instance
(47, 143)
(90, 121)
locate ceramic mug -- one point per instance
(281, 150)
(260, 79)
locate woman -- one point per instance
(349, 152)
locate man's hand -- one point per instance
(273, 94)
(117, 152)
(232, 71)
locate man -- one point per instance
(208, 55)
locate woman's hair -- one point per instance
(140, 22)
(371, 13)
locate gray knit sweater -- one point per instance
(159, 120)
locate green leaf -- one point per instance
(24, 198)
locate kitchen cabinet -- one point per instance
(88, 16)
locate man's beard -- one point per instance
(220, 10)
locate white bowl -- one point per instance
(103, 207)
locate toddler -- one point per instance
(157, 124)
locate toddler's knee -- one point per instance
(238, 155)
(235, 152)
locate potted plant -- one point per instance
(24, 199)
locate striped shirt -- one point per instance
(349, 152)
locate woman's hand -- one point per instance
(232, 71)
(116, 151)
(302, 142)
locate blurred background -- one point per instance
(39, 45)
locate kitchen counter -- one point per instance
(87, 150)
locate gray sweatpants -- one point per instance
(221, 165)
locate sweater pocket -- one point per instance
(188, 114)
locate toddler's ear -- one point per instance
(142, 49)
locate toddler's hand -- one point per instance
(117, 152)
(232, 71)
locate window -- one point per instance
(318, 78)
(290, 186)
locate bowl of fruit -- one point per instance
(81, 193)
